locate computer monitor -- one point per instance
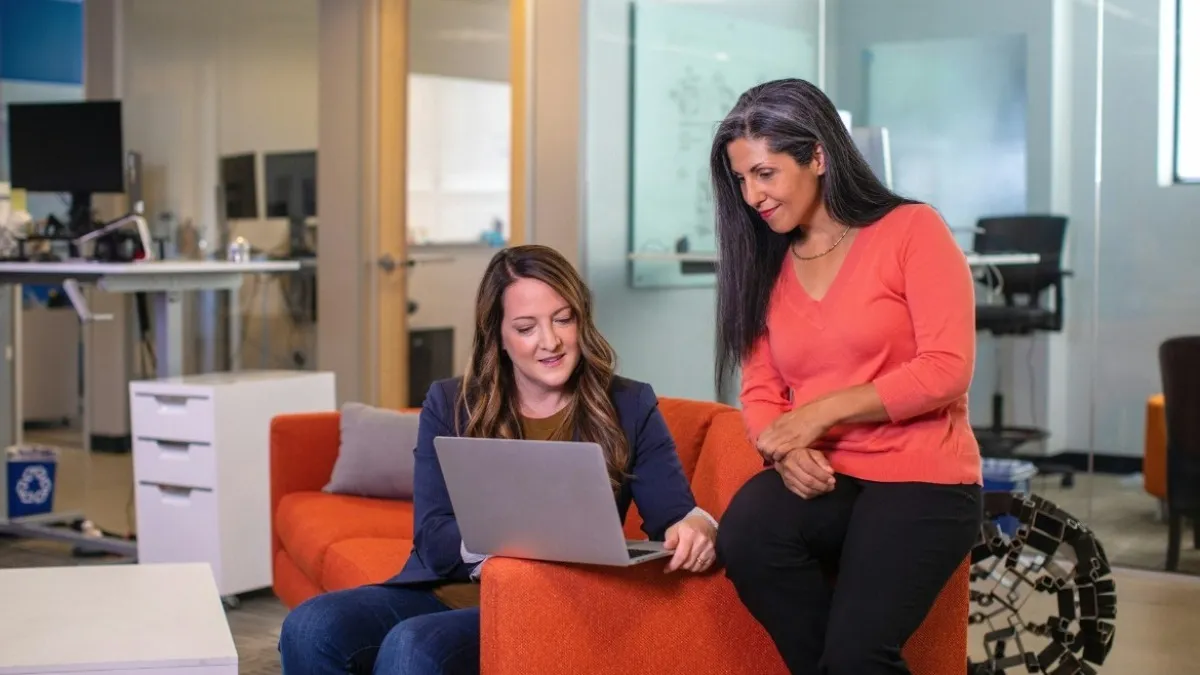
(291, 180)
(239, 181)
(75, 147)
(66, 147)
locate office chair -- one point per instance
(1023, 312)
(1179, 363)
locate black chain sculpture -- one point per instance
(1053, 553)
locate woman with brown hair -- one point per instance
(539, 370)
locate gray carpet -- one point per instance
(254, 623)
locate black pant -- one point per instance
(892, 546)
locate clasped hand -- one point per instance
(788, 444)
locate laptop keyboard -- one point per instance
(638, 552)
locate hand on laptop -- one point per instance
(694, 541)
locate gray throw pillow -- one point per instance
(376, 454)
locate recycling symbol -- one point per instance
(34, 485)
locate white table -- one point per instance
(114, 620)
(164, 283)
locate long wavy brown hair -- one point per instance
(488, 399)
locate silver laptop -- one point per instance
(542, 500)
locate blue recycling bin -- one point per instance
(1008, 475)
(31, 472)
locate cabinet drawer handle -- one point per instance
(173, 447)
(172, 494)
(167, 403)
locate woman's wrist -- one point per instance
(860, 403)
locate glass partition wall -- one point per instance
(989, 112)
(1145, 293)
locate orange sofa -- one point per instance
(548, 618)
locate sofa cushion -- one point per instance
(688, 423)
(375, 455)
(291, 585)
(727, 461)
(370, 560)
(308, 523)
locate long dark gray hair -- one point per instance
(794, 117)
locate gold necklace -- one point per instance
(822, 253)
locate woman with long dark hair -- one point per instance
(850, 311)
(539, 370)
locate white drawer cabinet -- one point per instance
(201, 463)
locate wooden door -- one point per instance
(390, 293)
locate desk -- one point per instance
(164, 283)
(973, 259)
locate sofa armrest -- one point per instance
(546, 618)
(304, 448)
(550, 619)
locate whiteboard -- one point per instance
(688, 68)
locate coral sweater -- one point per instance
(900, 314)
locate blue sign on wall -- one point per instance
(41, 40)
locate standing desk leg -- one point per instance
(235, 329)
(168, 333)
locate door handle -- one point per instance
(387, 263)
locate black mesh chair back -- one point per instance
(1040, 234)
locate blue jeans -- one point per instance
(384, 630)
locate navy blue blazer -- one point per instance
(658, 484)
